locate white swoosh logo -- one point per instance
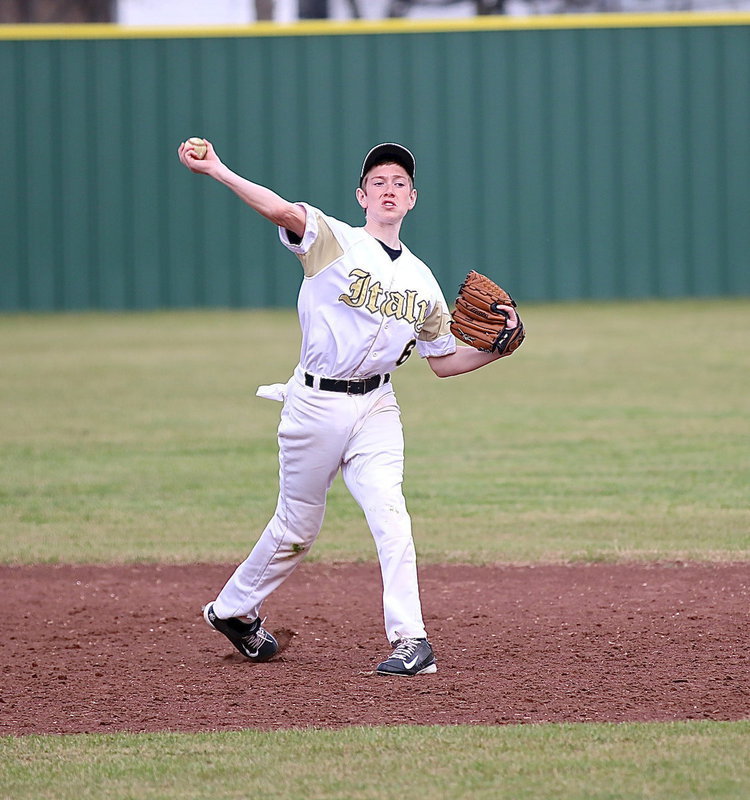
(410, 664)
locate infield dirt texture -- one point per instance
(124, 648)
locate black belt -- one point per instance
(349, 387)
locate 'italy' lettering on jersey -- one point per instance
(366, 292)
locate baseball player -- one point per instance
(365, 304)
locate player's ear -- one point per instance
(412, 198)
(361, 197)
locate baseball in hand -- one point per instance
(199, 146)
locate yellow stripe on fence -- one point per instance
(392, 26)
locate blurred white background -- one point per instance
(243, 12)
(221, 12)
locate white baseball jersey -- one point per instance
(361, 313)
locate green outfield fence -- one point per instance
(569, 157)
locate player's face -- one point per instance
(387, 193)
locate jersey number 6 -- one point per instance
(407, 352)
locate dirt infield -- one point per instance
(124, 648)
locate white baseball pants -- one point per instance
(321, 432)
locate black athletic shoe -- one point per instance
(250, 638)
(411, 657)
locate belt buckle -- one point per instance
(361, 385)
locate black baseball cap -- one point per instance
(385, 152)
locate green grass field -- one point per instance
(704, 761)
(131, 437)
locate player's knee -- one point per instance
(297, 531)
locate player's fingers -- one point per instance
(184, 152)
(510, 316)
(189, 157)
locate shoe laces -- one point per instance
(256, 638)
(405, 649)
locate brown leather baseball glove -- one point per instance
(478, 319)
